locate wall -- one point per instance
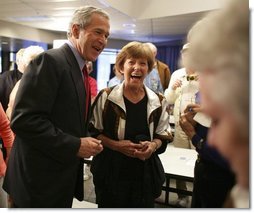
(12, 30)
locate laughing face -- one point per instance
(135, 71)
(91, 40)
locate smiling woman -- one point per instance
(132, 123)
(134, 61)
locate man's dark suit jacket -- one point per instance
(7, 81)
(48, 120)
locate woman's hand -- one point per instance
(128, 148)
(190, 111)
(176, 84)
(187, 126)
(149, 147)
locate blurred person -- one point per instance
(7, 81)
(9, 78)
(213, 178)
(181, 91)
(50, 118)
(132, 123)
(117, 79)
(8, 137)
(29, 53)
(158, 79)
(92, 81)
(223, 66)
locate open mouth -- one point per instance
(136, 76)
(97, 49)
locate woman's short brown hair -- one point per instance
(135, 49)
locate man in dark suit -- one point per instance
(9, 78)
(50, 118)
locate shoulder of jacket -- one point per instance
(160, 63)
(160, 96)
(104, 91)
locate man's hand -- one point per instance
(89, 147)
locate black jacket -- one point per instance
(7, 81)
(48, 119)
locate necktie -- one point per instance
(87, 88)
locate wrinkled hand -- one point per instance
(187, 126)
(89, 147)
(128, 148)
(193, 108)
(190, 111)
(146, 151)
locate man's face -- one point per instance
(91, 40)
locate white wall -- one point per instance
(12, 30)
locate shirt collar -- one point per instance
(80, 60)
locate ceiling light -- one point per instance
(130, 25)
(31, 18)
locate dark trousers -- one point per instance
(124, 194)
(211, 185)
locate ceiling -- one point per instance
(143, 20)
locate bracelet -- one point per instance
(156, 146)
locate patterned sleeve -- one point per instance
(96, 122)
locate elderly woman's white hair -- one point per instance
(219, 44)
(30, 53)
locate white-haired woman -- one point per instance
(223, 65)
(29, 54)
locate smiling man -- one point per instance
(50, 118)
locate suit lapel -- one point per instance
(77, 79)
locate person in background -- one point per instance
(213, 178)
(50, 118)
(92, 81)
(7, 81)
(9, 78)
(223, 66)
(158, 79)
(117, 79)
(181, 91)
(132, 123)
(8, 137)
(28, 54)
